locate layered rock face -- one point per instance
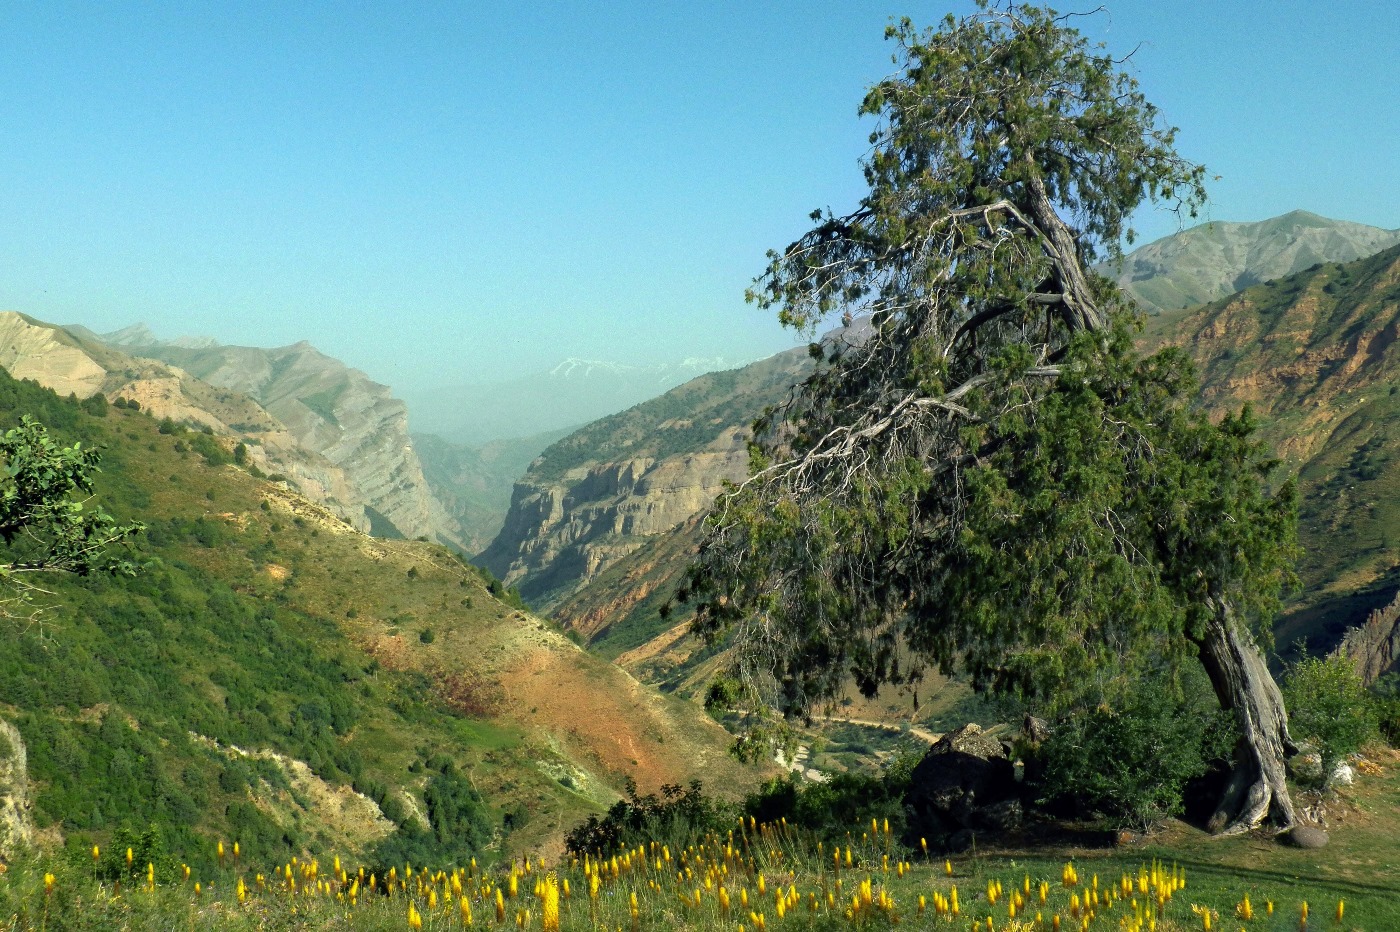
(605, 491)
(336, 412)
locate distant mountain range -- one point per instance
(570, 394)
(1214, 260)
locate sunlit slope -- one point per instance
(264, 626)
(1315, 355)
(1213, 260)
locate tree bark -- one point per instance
(1258, 786)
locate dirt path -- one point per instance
(917, 731)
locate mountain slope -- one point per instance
(572, 393)
(276, 677)
(75, 360)
(474, 483)
(1316, 356)
(334, 411)
(603, 491)
(1213, 260)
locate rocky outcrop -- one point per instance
(16, 827)
(76, 361)
(562, 534)
(965, 785)
(1374, 646)
(31, 351)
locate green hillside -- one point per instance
(275, 678)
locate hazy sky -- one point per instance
(454, 193)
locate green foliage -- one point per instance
(831, 809)
(1328, 708)
(44, 523)
(1130, 764)
(460, 824)
(1385, 706)
(679, 817)
(132, 695)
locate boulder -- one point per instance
(964, 785)
(1305, 836)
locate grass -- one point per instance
(735, 880)
(752, 878)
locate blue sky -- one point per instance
(446, 194)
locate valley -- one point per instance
(284, 490)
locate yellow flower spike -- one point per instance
(500, 907)
(96, 853)
(49, 882)
(1305, 910)
(1341, 909)
(465, 905)
(241, 890)
(948, 868)
(129, 858)
(220, 852)
(550, 912)
(762, 887)
(197, 888)
(415, 921)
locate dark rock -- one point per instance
(965, 784)
(1035, 729)
(1305, 836)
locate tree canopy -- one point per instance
(46, 521)
(982, 474)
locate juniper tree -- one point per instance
(982, 475)
(45, 524)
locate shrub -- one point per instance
(1131, 764)
(829, 809)
(1328, 708)
(679, 817)
(1385, 708)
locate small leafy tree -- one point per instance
(1331, 708)
(46, 522)
(983, 474)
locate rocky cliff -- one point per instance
(333, 411)
(606, 490)
(73, 360)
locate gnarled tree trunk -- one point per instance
(1258, 786)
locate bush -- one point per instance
(829, 809)
(1131, 764)
(679, 818)
(1328, 708)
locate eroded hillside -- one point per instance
(277, 677)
